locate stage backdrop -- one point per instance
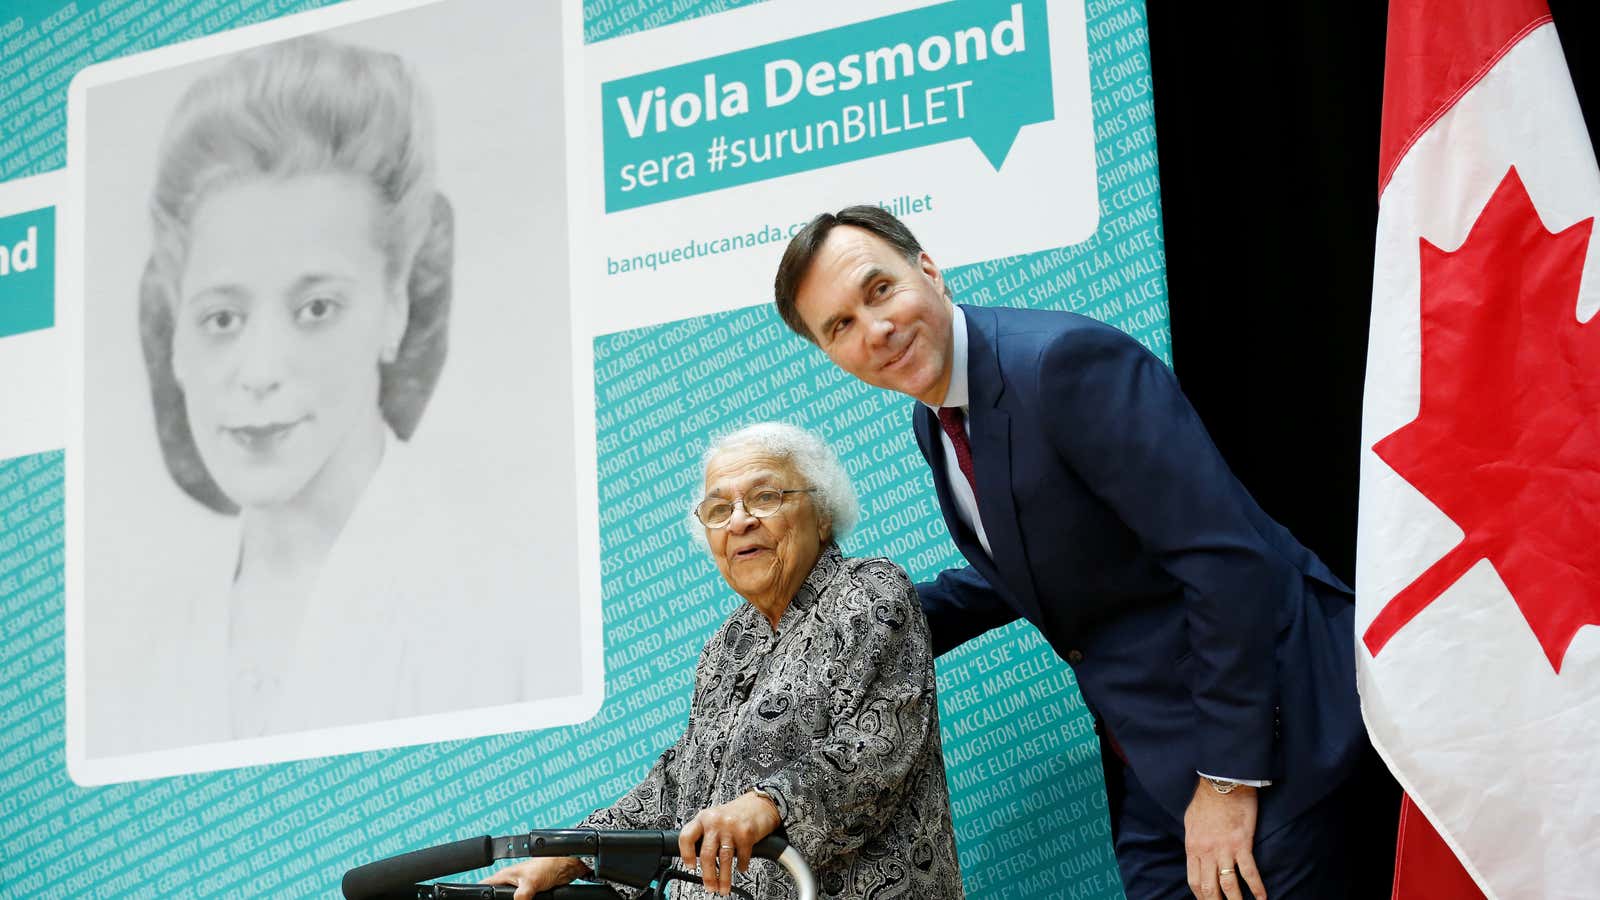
(672, 339)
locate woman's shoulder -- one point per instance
(871, 586)
(879, 573)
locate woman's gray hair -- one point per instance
(812, 458)
(307, 105)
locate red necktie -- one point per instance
(951, 420)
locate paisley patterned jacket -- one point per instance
(832, 715)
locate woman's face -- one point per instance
(764, 560)
(282, 316)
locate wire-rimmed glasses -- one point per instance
(758, 502)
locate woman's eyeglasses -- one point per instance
(758, 502)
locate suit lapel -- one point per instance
(990, 428)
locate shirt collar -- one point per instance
(958, 393)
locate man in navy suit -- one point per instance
(1083, 490)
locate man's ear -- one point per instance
(931, 270)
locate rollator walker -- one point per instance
(641, 859)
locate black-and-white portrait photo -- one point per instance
(327, 429)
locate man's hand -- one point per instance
(540, 874)
(727, 834)
(1218, 831)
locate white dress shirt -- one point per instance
(958, 395)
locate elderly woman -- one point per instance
(813, 705)
(293, 319)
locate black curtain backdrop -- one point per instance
(1267, 122)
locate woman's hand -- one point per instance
(727, 834)
(537, 875)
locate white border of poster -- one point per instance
(498, 638)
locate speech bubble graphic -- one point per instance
(27, 272)
(969, 69)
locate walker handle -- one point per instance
(775, 848)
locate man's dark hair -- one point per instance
(804, 245)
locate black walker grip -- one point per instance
(397, 876)
(505, 892)
(769, 847)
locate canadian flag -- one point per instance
(1478, 560)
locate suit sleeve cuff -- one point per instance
(1247, 782)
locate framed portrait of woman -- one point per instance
(321, 457)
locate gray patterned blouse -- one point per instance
(832, 715)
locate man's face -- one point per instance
(879, 316)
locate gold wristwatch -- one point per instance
(1221, 785)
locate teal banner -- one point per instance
(977, 69)
(27, 272)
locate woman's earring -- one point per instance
(390, 353)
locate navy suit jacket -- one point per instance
(1201, 632)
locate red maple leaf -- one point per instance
(1507, 440)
